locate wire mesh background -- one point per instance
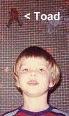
(51, 35)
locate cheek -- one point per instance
(23, 76)
(22, 80)
(45, 76)
(44, 79)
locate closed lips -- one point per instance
(34, 82)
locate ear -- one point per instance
(16, 80)
(51, 83)
(15, 77)
(17, 84)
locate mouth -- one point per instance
(32, 82)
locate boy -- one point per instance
(35, 73)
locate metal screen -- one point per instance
(51, 35)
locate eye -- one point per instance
(41, 69)
(25, 70)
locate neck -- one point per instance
(35, 104)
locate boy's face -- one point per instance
(33, 76)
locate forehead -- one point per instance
(32, 61)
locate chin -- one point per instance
(34, 94)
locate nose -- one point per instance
(33, 73)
